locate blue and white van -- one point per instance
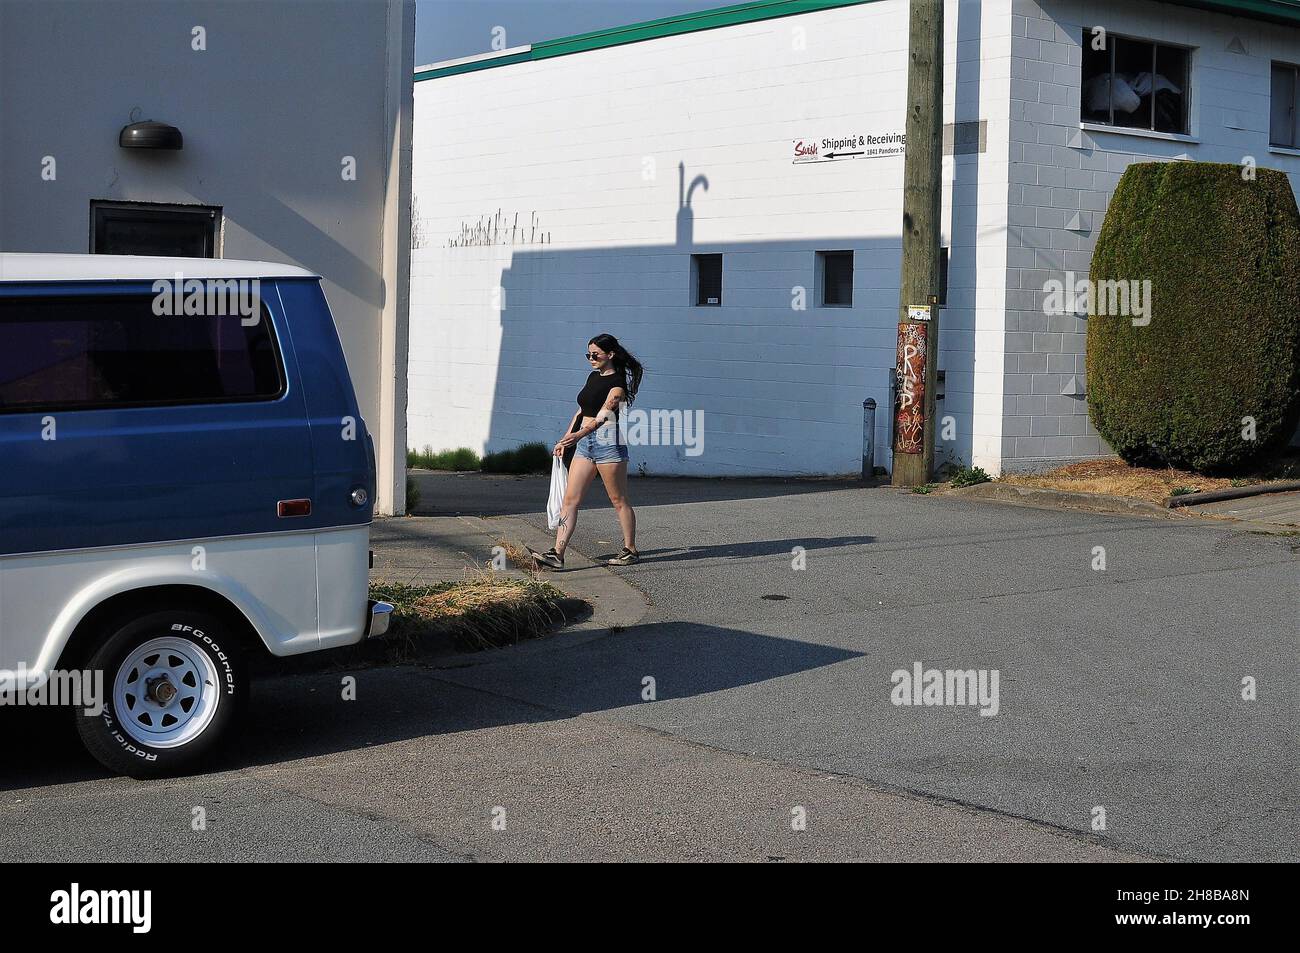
(185, 480)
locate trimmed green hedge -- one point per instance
(1223, 342)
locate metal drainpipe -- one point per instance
(868, 438)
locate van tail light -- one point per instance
(293, 508)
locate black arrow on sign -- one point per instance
(840, 155)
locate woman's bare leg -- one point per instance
(614, 476)
(581, 472)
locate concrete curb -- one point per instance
(1037, 496)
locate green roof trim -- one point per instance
(485, 63)
(685, 23)
(1276, 11)
(649, 30)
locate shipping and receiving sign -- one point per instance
(834, 149)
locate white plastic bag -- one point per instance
(1143, 82)
(559, 483)
(1097, 95)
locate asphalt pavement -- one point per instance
(747, 709)
(1121, 688)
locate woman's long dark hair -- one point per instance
(624, 363)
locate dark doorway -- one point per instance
(173, 231)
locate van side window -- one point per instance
(68, 352)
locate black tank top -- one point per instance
(595, 392)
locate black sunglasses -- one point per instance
(591, 357)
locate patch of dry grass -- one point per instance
(1117, 478)
(483, 611)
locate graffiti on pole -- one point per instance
(909, 414)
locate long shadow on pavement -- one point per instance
(302, 716)
(767, 547)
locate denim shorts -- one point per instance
(598, 451)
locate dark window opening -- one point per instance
(1282, 103)
(1134, 84)
(836, 278)
(171, 231)
(707, 278)
(76, 352)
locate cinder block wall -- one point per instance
(1062, 178)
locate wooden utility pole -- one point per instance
(918, 312)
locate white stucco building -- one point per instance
(295, 125)
(587, 184)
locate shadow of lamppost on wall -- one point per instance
(685, 216)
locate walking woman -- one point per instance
(600, 449)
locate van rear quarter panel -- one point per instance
(340, 444)
(122, 499)
(343, 460)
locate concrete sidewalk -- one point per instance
(423, 551)
(1270, 509)
(1266, 512)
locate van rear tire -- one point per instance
(174, 685)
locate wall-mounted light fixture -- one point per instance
(150, 135)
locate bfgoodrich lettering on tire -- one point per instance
(174, 684)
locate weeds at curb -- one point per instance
(484, 611)
(969, 476)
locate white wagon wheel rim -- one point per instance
(165, 692)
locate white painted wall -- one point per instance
(281, 94)
(564, 144)
(590, 148)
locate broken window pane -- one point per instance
(1135, 84)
